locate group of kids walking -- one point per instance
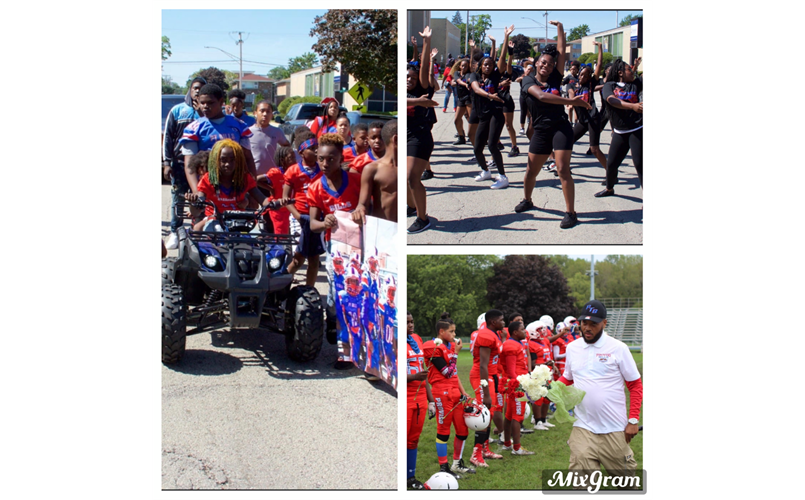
(499, 355)
(331, 166)
(482, 94)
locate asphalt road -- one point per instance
(464, 211)
(241, 415)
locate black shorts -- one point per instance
(420, 145)
(473, 119)
(508, 105)
(551, 136)
(592, 127)
(310, 244)
(464, 101)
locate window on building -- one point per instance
(617, 45)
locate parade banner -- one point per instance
(362, 263)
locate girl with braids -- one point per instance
(421, 118)
(420, 398)
(225, 184)
(622, 94)
(274, 181)
(552, 130)
(489, 109)
(589, 121)
(462, 89)
(449, 395)
(325, 124)
(298, 178)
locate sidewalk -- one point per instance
(463, 211)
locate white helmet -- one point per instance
(527, 411)
(548, 321)
(481, 321)
(569, 320)
(476, 416)
(560, 327)
(442, 481)
(532, 329)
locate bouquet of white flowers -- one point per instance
(534, 384)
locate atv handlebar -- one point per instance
(202, 202)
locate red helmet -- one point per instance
(338, 263)
(391, 289)
(373, 262)
(353, 282)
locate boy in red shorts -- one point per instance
(485, 359)
(419, 400)
(274, 182)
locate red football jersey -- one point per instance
(322, 196)
(300, 180)
(448, 354)
(417, 392)
(362, 160)
(485, 338)
(514, 359)
(224, 199)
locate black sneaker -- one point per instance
(411, 211)
(419, 225)
(523, 206)
(472, 159)
(460, 468)
(569, 221)
(414, 484)
(427, 174)
(446, 468)
(461, 140)
(514, 152)
(604, 193)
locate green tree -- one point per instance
(448, 283)
(522, 46)
(587, 57)
(364, 42)
(531, 285)
(279, 73)
(166, 47)
(213, 75)
(457, 19)
(170, 87)
(305, 61)
(578, 32)
(619, 276)
(626, 21)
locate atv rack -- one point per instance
(225, 239)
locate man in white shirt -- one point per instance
(601, 366)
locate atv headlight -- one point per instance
(210, 261)
(274, 264)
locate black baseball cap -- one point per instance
(593, 311)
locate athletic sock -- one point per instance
(516, 446)
(411, 462)
(441, 451)
(507, 443)
(458, 448)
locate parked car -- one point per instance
(367, 118)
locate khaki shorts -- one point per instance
(590, 451)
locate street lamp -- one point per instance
(541, 25)
(234, 57)
(591, 273)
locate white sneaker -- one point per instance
(552, 167)
(522, 451)
(501, 183)
(546, 424)
(485, 175)
(533, 420)
(522, 131)
(173, 242)
(540, 427)
(503, 447)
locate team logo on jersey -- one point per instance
(603, 358)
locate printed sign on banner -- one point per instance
(365, 282)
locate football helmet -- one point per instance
(338, 263)
(548, 321)
(391, 289)
(534, 329)
(353, 282)
(476, 416)
(442, 481)
(481, 320)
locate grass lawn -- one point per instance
(512, 472)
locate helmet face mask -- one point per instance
(476, 416)
(338, 265)
(353, 283)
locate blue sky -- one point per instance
(597, 20)
(270, 36)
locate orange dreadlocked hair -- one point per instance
(332, 140)
(240, 173)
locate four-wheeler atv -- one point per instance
(237, 278)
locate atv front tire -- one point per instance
(306, 324)
(174, 324)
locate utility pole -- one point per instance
(467, 34)
(546, 27)
(592, 274)
(240, 73)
